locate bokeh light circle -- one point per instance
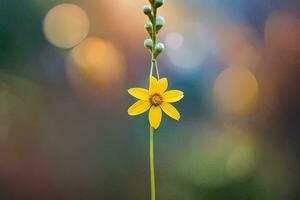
(190, 46)
(66, 25)
(174, 40)
(236, 91)
(95, 64)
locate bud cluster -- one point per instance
(152, 27)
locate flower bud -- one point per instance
(159, 48)
(160, 21)
(147, 10)
(158, 3)
(148, 43)
(149, 28)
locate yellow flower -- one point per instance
(156, 99)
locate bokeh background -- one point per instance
(65, 70)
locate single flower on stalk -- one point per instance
(156, 99)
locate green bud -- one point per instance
(147, 10)
(158, 3)
(148, 43)
(160, 21)
(149, 28)
(159, 48)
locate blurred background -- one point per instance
(65, 67)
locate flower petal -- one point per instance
(139, 93)
(172, 96)
(152, 85)
(155, 116)
(170, 110)
(139, 107)
(162, 85)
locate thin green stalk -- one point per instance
(154, 39)
(153, 64)
(154, 32)
(152, 173)
(151, 70)
(156, 69)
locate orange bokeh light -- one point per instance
(66, 25)
(236, 91)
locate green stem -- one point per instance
(152, 174)
(153, 64)
(151, 70)
(156, 69)
(154, 39)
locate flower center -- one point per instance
(156, 99)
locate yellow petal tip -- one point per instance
(177, 118)
(129, 113)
